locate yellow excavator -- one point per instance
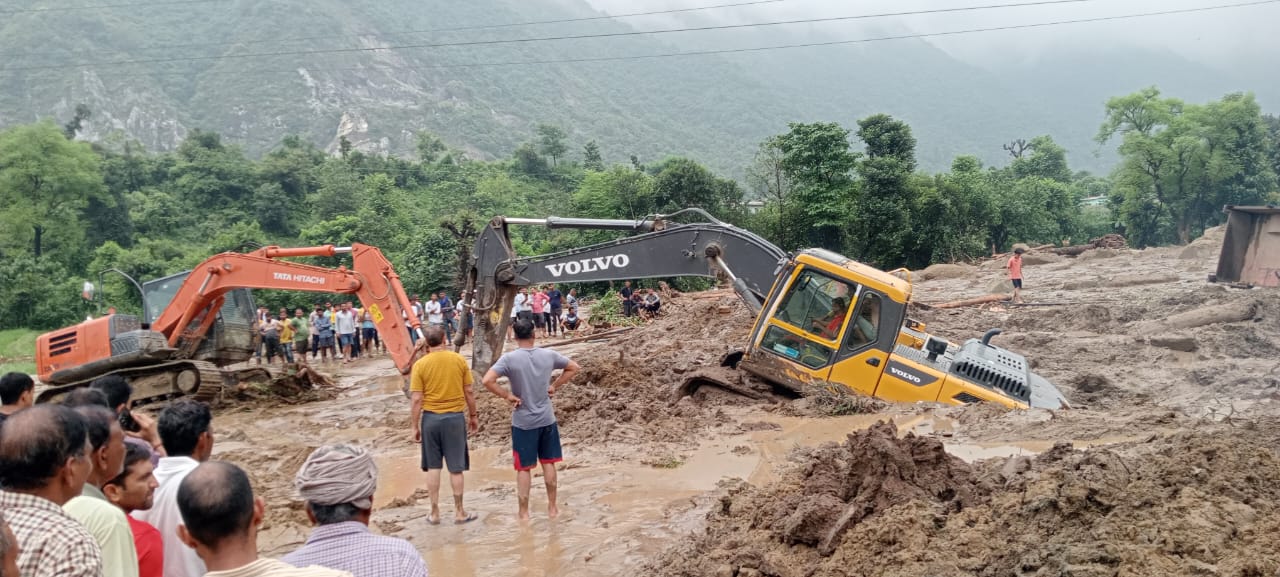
(822, 319)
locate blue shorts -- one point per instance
(532, 446)
(326, 342)
(345, 340)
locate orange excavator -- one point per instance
(197, 323)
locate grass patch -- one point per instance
(28, 367)
(664, 462)
(18, 343)
(18, 350)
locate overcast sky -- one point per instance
(1232, 38)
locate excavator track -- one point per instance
(156, 383)
(212, 381)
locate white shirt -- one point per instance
(434, 314)
(345, 322)
(522, 303)
(179, 560)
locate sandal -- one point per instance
(470, 517)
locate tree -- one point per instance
(463, 226)
(683, 183)
(591, 159)
(213, 177)
(1181, 162)
(818, 160)
(273, 210)
(338, 191)
(45, 180)
(883, 233)
(1047, 160)
(39, 293)
(768, 180)
(291, 165)
(954, 212)
(1016, 148)
(345, 147)
(1272, 123)
(618, 192)
(430, 147)
(529, 162)
(72, 127)
(551, 142)
(429, 263)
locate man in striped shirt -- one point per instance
(44, 462)
(338, 482)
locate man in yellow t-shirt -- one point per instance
(286, 336)
(440, 389)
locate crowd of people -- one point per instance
(89, 488)
(344, 331)
(550, 311)
(341, 333)
(645, 303)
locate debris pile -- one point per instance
(627, 390)
(1190, 504)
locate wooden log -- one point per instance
(1076, 250)
(982, 300)
(605, 335)
(711, 294)
(1210, 315)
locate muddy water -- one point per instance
(613, 513)
(619, 504)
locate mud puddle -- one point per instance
(613, 514)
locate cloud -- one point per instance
(1234, 39)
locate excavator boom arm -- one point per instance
(662, 249)
(371, 278)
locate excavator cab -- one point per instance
(831, 320)
(230, 339)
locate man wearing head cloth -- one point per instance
(338, 482)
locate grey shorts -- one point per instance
(444, 440)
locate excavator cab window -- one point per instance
(816, 306)
(814, 303)
(866, 323)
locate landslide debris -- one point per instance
(627, 388)
(1197, 503)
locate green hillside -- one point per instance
(713, 108)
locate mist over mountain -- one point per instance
(257, 71)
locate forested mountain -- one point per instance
(166, 69)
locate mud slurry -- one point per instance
(627, 390)
(1175, 384)
(880, 504)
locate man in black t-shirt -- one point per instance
(17, 392)
(555, 301)
(626, 293)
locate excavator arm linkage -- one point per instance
(371, 278)
(661, 249)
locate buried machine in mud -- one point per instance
(821, 319)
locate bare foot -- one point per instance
(523, 515)
(553, 511)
